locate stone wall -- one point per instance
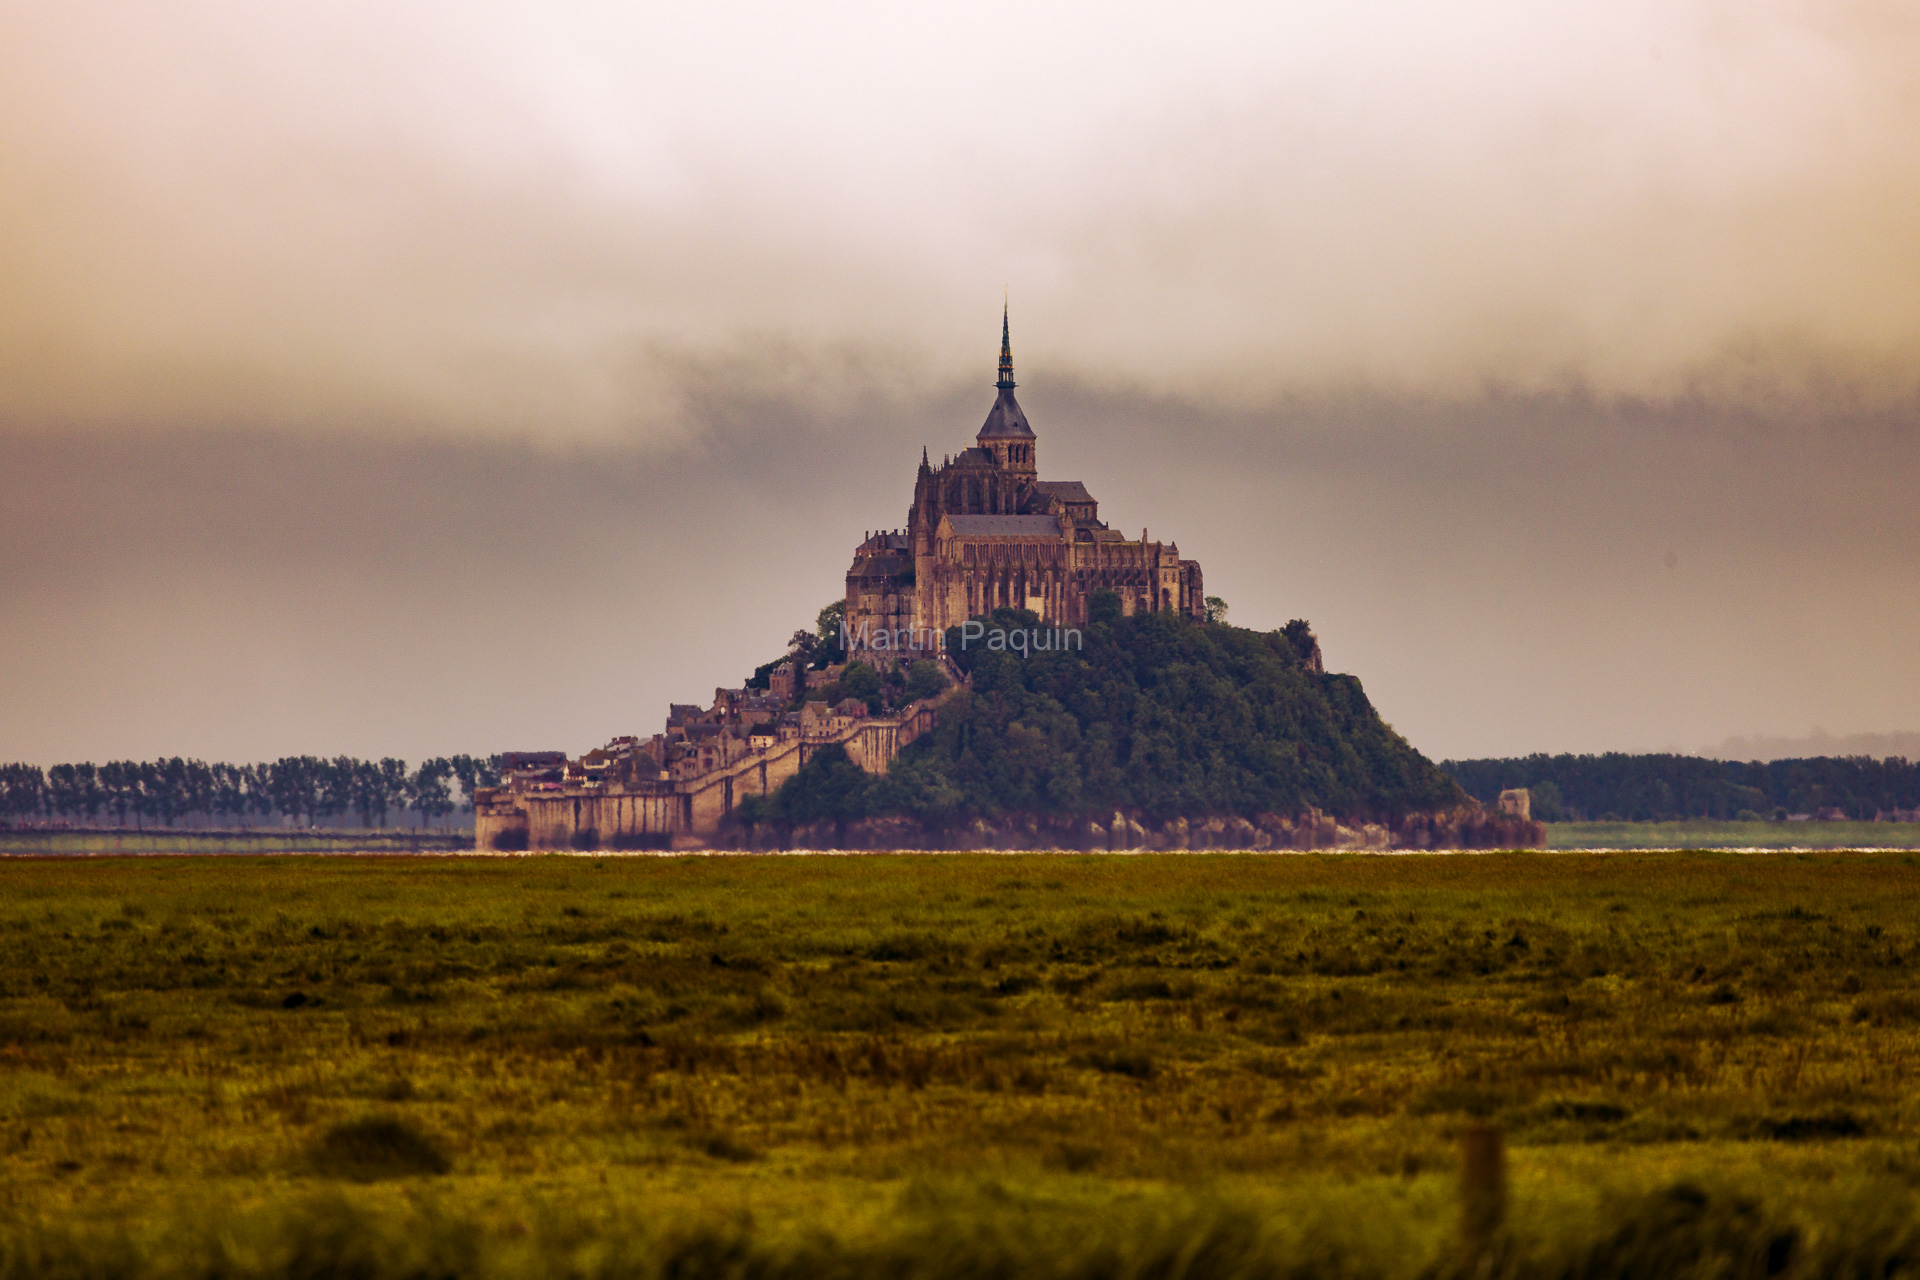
(682, 812)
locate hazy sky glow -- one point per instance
(1561, 362)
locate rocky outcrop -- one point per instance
(1469, 826)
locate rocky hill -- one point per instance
(1159, 732)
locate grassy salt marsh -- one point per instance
(956, 1065)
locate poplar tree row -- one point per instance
(309, 791)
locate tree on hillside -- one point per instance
(804, 645)
(861, 681)
(1299, 635)
(829, 787)
(924, 680)
(827, 627)
(1216, 609)
(1155, 716)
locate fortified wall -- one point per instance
(677, 789)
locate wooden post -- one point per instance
(1483, 1193)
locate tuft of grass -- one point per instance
(724, 1147)
(1814, 1128)
(1133, 1065)
(377, 1147)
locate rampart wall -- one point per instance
(654, 814)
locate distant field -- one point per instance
(1733, 835)
(1183, 1065)
(241, 842)
(1560, 835)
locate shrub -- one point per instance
(377, 1147)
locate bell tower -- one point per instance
(1006, 434)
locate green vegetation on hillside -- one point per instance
(957, 1066)
(1156, 715)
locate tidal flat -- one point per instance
(957, 1065)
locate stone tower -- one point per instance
(985, 532)
(1006, 434)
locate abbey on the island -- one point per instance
(985, 531)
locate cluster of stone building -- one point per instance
(983, 532)
(682, 783)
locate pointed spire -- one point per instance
(1006, 353)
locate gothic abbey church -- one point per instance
(985, 531)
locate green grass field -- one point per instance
(1703, 834)
(1183, 1065)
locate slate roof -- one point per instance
(1005, 526)
(532, 760)
(1006, 420)
(1065, 490)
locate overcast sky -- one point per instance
(414, 378)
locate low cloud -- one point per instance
(428, 377)
(465, 219)
(1516, 574)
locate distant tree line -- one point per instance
(307, 791)
(1665, 788)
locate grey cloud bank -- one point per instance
(528, 221)
(1520, 574)
(1562, 366)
